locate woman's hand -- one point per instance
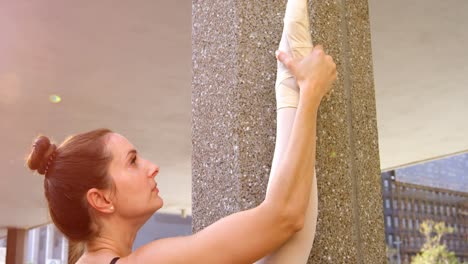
(315, 73)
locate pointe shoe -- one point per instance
(297, 29)
(297, 42)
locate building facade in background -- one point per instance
(407, 205)
(46, 245)
(2, 250)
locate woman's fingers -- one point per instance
(286, 60)
(319, 48)
(314, 73)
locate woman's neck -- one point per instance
(114, 238)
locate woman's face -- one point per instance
(136, 193)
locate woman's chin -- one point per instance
(159, 203)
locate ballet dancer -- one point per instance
(100, 190)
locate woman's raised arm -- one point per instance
(247, 236)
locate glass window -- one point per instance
(42, 242)
(387, 203)
(386, 184)
(395, 221)
(3, 249)
(42, 239)
(395, 204)
(410, 223)
(389, 221)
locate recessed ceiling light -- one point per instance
(55, 99)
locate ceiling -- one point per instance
(127, 66)
(128, 70)
(420, 56)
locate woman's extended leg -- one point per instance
(297, 42)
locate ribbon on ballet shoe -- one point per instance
(287, 93)
(299, 39)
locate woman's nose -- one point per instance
(154, 171)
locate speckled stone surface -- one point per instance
(233, 121)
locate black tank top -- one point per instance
(114, 260)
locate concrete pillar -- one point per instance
(16, 241)
(233, 121)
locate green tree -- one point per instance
(433, 252)
(391, 253)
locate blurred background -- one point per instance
(421, 83)
(69, 67)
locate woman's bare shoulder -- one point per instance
(167, 250)
(96, 258)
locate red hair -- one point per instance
(80, 163)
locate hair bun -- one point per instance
(40, 153)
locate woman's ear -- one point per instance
(98, 200)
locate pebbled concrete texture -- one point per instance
(233, 121)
